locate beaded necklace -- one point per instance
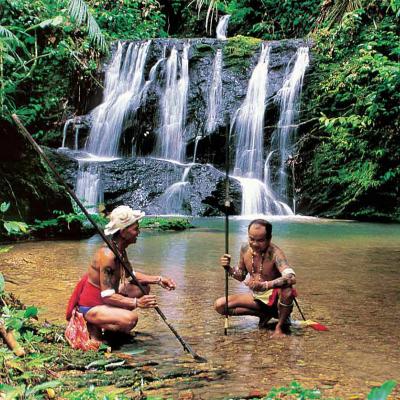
(253, 267)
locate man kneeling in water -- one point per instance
(105, 296)
(270, 279)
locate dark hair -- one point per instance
(265, 224)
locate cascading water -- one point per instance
(215, 93)
(127, 90)
(172, 200)
(222, 27)
(170, 143)
(248, 124)
(122, 96)
(288, 98)
(88, 186)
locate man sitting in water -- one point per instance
(270, 279)
(105, 296)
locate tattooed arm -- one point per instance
(109, 282)
(288, 277)
(239, 272)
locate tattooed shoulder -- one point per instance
(244, 248)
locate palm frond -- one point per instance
(333, 11)
(80, 13)
(9, 41)
(212, 9)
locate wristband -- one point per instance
(135, 300)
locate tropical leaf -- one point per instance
(80, 13)
(4, 207)
(5, 249)
(52, 22)
(10, 392)
(212, 9)
(31, 311)
(382, 392)
(15, 227)
(333, 12)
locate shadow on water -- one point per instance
(348, 276)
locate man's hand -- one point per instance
(167, 283)
(225, 261)
(147, 301)
(256, 285)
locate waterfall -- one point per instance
(172, 199)
(88, 185)
(196, 143)
(170, 143)
(68, 122)
(222, 27)
(215, 93)
(249, 122)
(124, 84)
(288, 98)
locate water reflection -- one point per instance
(348, 276)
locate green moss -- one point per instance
(239, 50)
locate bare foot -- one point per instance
(278, 334)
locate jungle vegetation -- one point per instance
(51, 54)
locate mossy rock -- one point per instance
(239, 48)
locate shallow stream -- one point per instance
(348, 279)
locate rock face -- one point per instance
(25, 182)
(142, 182)
(157, 185)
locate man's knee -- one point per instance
(287, 296)
(146, 289)
(219, 305)
(128, 322)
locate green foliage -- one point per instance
(353, 166)
(238, 50)
(50, 53)
(295, 390)
(271, 19)
(11, 227)
(382, 392)
(65, 223)
(79, 12)
(166, 224)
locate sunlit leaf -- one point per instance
(31, 311)
(381, 393)
(4, 206)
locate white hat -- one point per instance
(122, 217)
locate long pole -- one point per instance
(227, 205)
(118, 255)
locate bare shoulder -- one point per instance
(279, 257)
(244, 248)
(105, 257)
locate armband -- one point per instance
(107, 293)
(288, 271)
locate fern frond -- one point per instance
(80, 13)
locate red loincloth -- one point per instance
(84, 294)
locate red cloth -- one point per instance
(275, 293)
(77, 333)
(90, 296)
(84, 294)
(74, 299)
